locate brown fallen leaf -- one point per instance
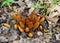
(53, 20)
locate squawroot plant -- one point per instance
(32, 22)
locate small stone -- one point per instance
(15, 8)
(4, 30)
(57, 36)
(28, 41)
(24, 35)
(5, 42)
(3, 39)
(36, 40)
(39, 33)
(16, 41)
(12, 35)
(21, 40)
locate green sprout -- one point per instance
(54, 2)
(7, 2)
(37, 6)
(21, 1)
(44, 6)
(50, 33)
(40, 6)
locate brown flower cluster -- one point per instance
(32, 22)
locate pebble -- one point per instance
(0, 31)
(57, 36)
(39, 33)
(36, 40)
(3, 39)
(28, 40)
(21, 40)
(24, 35)
(15, 8)
(4, 30)
(12, 37)
(45, 24)
(28, 2)
(16, 41)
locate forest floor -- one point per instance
(26, 23)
